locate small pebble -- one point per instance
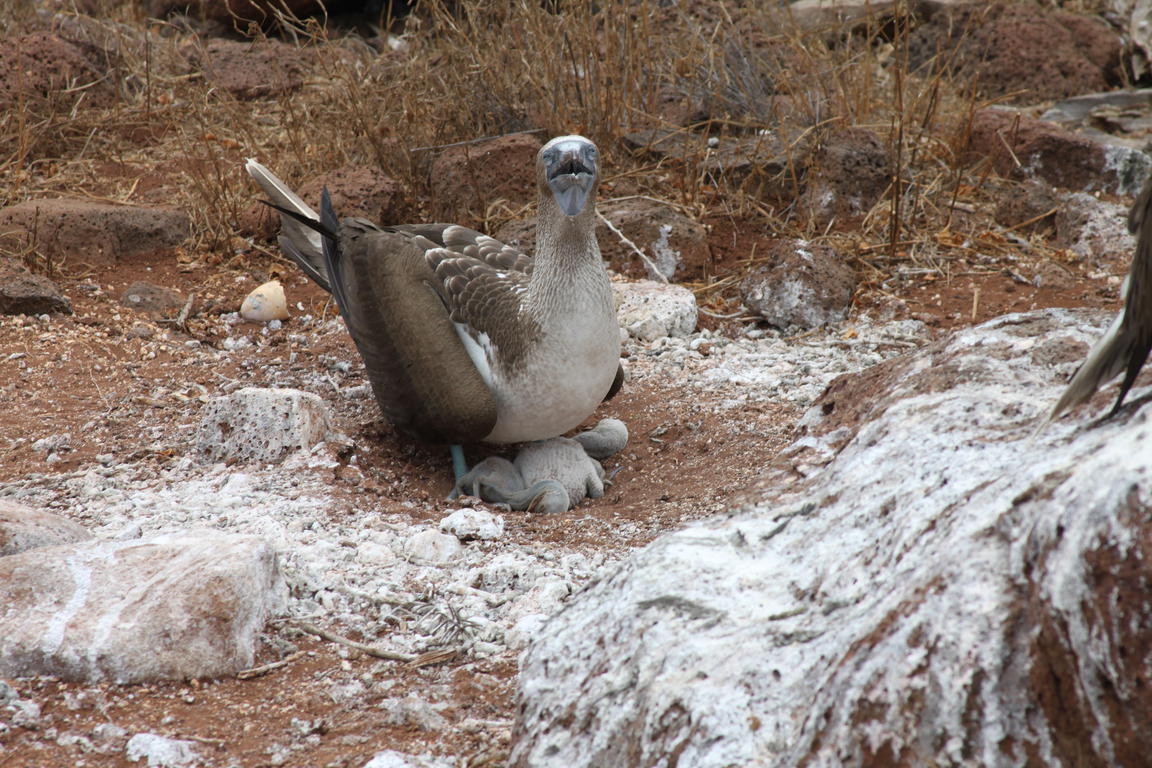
(467, 524)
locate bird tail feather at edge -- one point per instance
(1103, 364)
(306, 242)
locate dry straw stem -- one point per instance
(469, 69)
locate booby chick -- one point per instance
(1126, 345)
(464, 338)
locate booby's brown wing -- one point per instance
(482, 281)
(462, 241)
(487, 301)
(420, 372)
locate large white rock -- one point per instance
(261, 424)
(168, 607)
(23, 528)
(920, 583)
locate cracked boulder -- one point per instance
(171, 607)
(82, 232)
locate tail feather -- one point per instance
(1105, 361)
(1125, 347)
(305, 243)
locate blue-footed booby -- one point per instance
(464, 338)
(1126, 345)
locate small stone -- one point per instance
(266, 303)
(142, 331)
(412, 710)
(432, 547)
(651, 310)
(524, 630)
(109, 733)
(25, 714)
(28, 294)
(150, 298)
(467, 524)
(53, 443)
(161, 752)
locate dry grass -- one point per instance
(599, 69)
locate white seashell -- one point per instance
(265, 303)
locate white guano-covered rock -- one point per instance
(392, 759)
(919, 583)
(649, 310)
(161, 752)
(168, 607)
(431, 547)
(261, 424)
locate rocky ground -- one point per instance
(121, 322)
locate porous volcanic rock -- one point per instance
(41, 66)
(802, 284)
(88, 232)
(261, 424)
(919, 581)
(254, 70)
(24, 293)
(1028, 207)
(170, 607)
(847, 174)
(1023, 52)
(760, 165)
(357, 191)
(649, 310)
(1022, 147)
(467, 179)
(676, 244)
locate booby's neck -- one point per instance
(567, 267)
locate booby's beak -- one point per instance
(571, 165)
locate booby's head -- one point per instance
(570, 167)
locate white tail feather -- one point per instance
(306, 240)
